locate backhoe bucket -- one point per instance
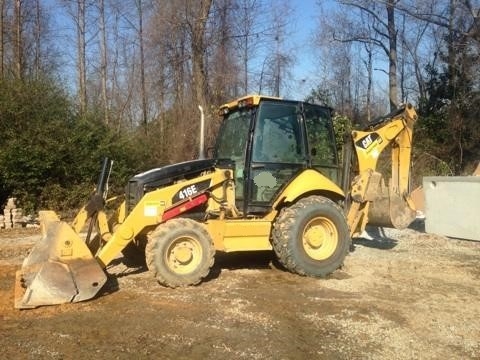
(59, 269)
(390, 209)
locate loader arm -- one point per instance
(62, 267)
(373, 201)
(160, 205)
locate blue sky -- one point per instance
(304, 25)
(306, 73)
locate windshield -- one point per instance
(278, 136)
(232, 140)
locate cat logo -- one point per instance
(367, 141)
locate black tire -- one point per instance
(180, 253)
(311, 237)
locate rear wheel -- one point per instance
(180, 253)
(311, 237)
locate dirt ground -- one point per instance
(401, 295)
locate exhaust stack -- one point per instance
(201, 150)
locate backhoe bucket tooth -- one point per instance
(389, 209)
(59, 269)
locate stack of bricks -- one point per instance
(12, 216)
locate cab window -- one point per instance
(277, 135)
(278, 151)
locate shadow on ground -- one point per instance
(418, 225)
(251, 260)
(378, 238)
(375, 237)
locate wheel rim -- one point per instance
(320, 238)
(184, 255)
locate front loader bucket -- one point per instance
(390, 209)
(59, 269)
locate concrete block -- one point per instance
(11, 203)
(452, 206)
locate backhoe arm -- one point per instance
(371, 200)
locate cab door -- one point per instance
(232, 143)
(277, 153)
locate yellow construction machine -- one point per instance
(273, 183)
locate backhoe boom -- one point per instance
(373, 201)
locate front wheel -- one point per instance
(180, 253)
(311, 237)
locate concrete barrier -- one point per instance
(452, 206)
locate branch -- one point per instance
(363, 40)
(365, 9)
(443, 21)
(378, 69)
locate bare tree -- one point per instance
(120, 70)
(369, 65)
(38, 39)
(25, 46)
(384, 35)
(459, 18)
(223, 64)
(275, 68)
(392, 53)
(432, 12)
(81, 57)
(103, 57)
(139, 4)
(18, 40)
(337, 60)
(198, 27)
(413, 38)
(246, 31)
(252, 29)
(167, 41)
(2, 38)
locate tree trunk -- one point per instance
(2, 60)
(245, 28)
(38, 33)
(18, 41)
(81, 45)
(392, 56)
(455, 119)
(451, 46)
(369, 65)
(277, 79)
(103, 54)
(142, 66)
(198, 54)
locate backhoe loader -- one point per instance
(273, 183)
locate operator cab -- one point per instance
(270, 141)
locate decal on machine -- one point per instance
(190, 190)
(368, 140)
(152, 208)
